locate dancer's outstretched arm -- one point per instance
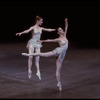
(26, 31)
(49, 40)
(66, 26)
(48, 29)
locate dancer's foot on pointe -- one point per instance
(39, 75)
(29, 73)
(60, 86)
(25, 54)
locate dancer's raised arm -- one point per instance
(26, 31)
(66, 26)
(48, 29)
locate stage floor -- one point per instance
(80, 73)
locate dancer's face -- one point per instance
(60, 31)
(40, 22)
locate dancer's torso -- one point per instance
(36, 33)
(63, 42)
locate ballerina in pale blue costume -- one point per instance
(34, 45)
(33, 41)
(60, 52)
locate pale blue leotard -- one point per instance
(60, 52)
(33, 41)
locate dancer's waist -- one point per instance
(64, 45)
(35, 39)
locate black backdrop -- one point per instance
(83, 17)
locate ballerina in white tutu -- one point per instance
(33, 45)
(60, 52)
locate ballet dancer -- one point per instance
(59, 51)
(33, 45)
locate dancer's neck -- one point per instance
(61, 36)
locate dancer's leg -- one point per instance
(31, 50)
(37, 63)
(47, 54)
(58, 70)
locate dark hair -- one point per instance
(57, 29)
(38, 18)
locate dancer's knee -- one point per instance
(30, 57)
(59, 60)
(37, 59)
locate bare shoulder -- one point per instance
(41, 28)
(33, 26)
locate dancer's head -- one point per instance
(60, 31)
(39, 20)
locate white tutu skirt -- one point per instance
(60, 52)
(34, 43)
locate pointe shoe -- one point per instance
(60, 86)
(38, 74)
(25, 54)
(29, 73)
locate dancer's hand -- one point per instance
(18, 34)
(39, 41)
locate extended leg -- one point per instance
(47, 54)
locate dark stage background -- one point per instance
(83, 17)
(80, 72)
